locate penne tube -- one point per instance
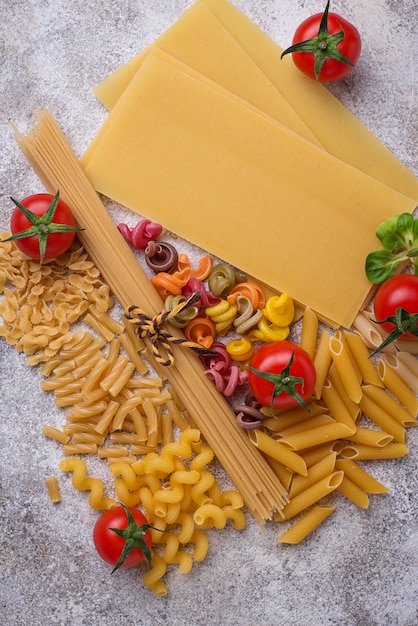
(345, 368)
(133, 354)
(370, 437)
(405, 368)
(383, 419)
(316, 453)
(53, 488)
(291, 416)
(407, 345)
(362, 358)
(390, 405)
(311, 495)
(106, 418)
(56, 434)
(309, 332)
(316, 436)
(336, 405)
(398, 387)
(410, 361)
(322, 361)
(277, 451)
(360, 452)
(359, 476)
(353, 492)
(335, 380)
(324, 467)
(306, 524)
(310, 422)
(371, 335)
(376, 333)
(284, 474)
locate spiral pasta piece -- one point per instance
(167, 284)
(203, 269)
(196, 286)
(251, 291)
(200, 330)
(280, 310)
(81, 482)
(200, 488)
(248, 315)
(222, 279)
(201, 542)
(152, 578)
(185, 315)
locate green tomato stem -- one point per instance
(404, 322)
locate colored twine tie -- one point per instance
(161, 339)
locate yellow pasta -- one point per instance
(306, 524)
(278, 451)
(53, 488)
(309, 332)
(83, 483)
(322, 361)
(200, 540)
(360, 452)
(360, 477)
(311, 495)
(308, 423)
(322, 468)
(405, 368)
(199, 489)
(317, 436)
(209, 515)
(346, 370)
(79, 448)
(236, 515)
(353, 492)
(398, 387)
(152, 578)
(290, 417)
(55, 433)
(383, 399)
(372, 334)
(336, 404)
(370, 437)
(410, 361)
(361, 356)
(383, 419)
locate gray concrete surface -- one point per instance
(360, 568)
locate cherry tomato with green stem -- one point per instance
(396, 308)
(122, 537)
(281, 374)
(325, 46)
(42, 226)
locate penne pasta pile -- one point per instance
(360, 411)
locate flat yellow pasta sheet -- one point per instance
(316, 109)
(202, 42)
(183, 152)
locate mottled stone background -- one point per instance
(360, 567)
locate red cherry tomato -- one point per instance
(398, 292)
(319, 52)
(57, 233)
(294, 384)
(111, 545)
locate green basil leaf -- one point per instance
(381, 265)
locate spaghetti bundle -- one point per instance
(48, 151)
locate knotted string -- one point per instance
(161, 339)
